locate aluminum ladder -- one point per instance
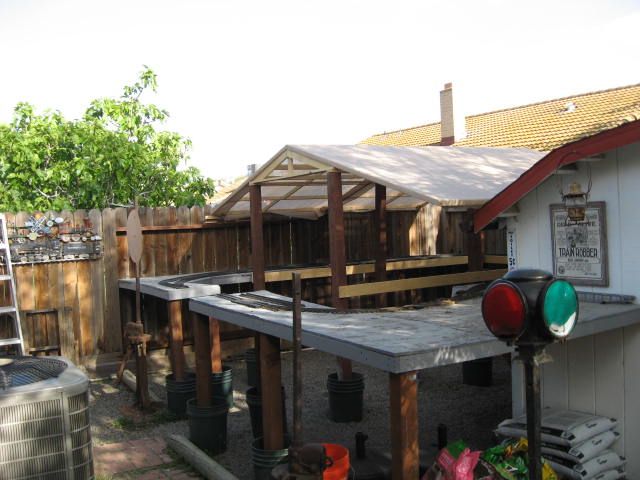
(6, 278)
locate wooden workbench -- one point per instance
(400, 342)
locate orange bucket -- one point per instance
(340, 457)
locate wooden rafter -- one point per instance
(276, 200)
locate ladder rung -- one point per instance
(7, 310)
(4, 278)
(9, 341)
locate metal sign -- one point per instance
(580, 248)
(134, 236)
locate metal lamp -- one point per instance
(576, 202)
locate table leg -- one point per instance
(403, 397)
(203, 359)
(174, 311)
(216, 349)
(271, 381)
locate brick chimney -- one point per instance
(447, 136)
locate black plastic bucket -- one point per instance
(345, 398)
(252, 369)
(254, 401)
(478, 373)
(179, 392)
(208, 425)
(264, 461)
(222, 385)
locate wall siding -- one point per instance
(597, 374)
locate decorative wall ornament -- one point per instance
(47, 238)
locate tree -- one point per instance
(110, 156)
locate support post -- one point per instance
(403, 399)
(176, 343)
(216, 349)
(337, 255)
(271, 382)
(380, 226)
(257, 237)
(474, 243)
(203, 359)
(534, 421)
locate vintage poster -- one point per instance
(580, 249)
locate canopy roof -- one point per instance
(294, 181)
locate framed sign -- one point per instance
(580, 249)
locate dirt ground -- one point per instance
(469, 413)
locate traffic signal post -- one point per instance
(530, 308)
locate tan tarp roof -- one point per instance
(294, 180)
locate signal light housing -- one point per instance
(504, 310)
(529, 306)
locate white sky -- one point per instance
(243, 78)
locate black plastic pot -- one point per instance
(252, 369)
(345, 398)
(264, 461)
(178, 393)
(208, 425)
(254, 401)
(222, 385)
(478, 373)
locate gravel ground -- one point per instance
(470, 413)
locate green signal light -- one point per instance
(560, 308)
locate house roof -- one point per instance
(294, 181)
(540, 126)
(554, 160)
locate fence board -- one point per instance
(121, 242)
(111, 309)
(160, 217)
(147, 262)
(185, 241)
(197, 243)
(96, 271)
(172, 243)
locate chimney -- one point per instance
(251, 169)
(447, 136)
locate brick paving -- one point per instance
(141, 459)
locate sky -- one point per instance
(243, 78)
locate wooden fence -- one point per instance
(176, 241)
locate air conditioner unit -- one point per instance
(44, 420)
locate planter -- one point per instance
(252, 369)
(208, 425)
(254, 401)
(264, 461)
(178, 393)
(478, 373)
(345, 398)
(222, 385)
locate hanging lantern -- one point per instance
(575, 202)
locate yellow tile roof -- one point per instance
(541, 126)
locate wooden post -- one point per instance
(403, 399)
(203, 359)
(257, 237)
(174, 311)
(474, 243)
(380, 227)
(216, 350)
(337, 255)
(271, 381)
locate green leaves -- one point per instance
(110, 156)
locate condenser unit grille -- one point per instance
(44, 428)
(81, 435)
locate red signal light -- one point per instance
(504, 310)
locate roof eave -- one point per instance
(541, 170)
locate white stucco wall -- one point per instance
(598, 374)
